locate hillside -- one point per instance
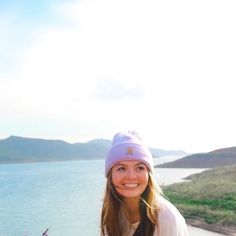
(19, 149)
(220, 157)
(208, 200)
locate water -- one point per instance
(65, 197)
(165, 176)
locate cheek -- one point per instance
(145, 178)
(115, 178)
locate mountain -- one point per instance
(20, 149)
(219, 157)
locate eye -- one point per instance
(141, 168)
(121, 169)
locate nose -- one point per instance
(131, 173)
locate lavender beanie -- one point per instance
(128, 146)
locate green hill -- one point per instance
(220, 157)
(208, 200)
(19, 149)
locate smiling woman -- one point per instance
(130, 179)
(133, 204)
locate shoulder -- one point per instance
(170, 221)
(167, 210)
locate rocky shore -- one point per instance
(225, 230)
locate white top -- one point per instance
(170, 221)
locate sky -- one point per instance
(80, 70)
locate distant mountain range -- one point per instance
(219, 157)
(20, 149)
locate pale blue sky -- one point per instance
(78, 70)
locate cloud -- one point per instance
(111, 89)
(165, 68)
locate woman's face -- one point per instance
(130, 178)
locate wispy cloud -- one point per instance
(112, 89)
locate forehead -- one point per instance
(129, 163)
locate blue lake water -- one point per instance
(65, 197)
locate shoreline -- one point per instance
(211, 210)
(216, 228)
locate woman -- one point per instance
(133, 204)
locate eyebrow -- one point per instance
(121, 164)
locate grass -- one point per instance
(209, 196)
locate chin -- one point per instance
(130, 195)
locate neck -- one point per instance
(132, 209)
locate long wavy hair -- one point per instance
(113, 222)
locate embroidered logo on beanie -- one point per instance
(130, 151)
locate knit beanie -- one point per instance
(127, 147)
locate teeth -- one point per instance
(131, 185)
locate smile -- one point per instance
(130, 185)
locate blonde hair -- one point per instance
(112, 224)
